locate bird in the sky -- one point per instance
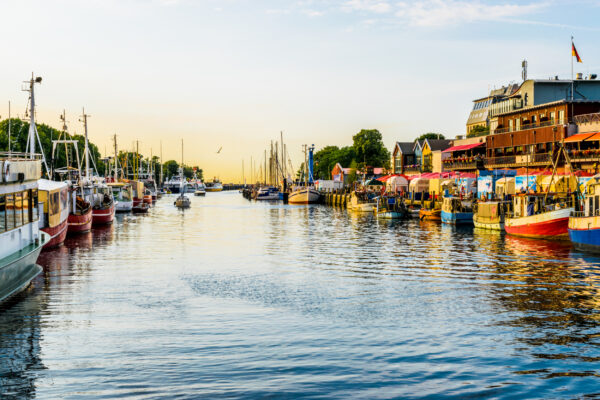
(219, 151)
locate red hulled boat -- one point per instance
(80, 219)
(103, 212)
(534, 217)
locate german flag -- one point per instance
(574, 53)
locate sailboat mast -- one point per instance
(161, 164)
(116, 162)
(305, 166)
(87, 150)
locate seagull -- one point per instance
(219, 151)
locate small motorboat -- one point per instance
(141, 208)
(182, 202)
(434, 214)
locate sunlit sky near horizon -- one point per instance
(234, 73)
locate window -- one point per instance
(19, 209)
(510, 125)
(552, 116)
(561, 116)
(26, 208)
(2, 213)
(54, 206)
(36, 209)
(518, 124)
(533, 119)
(10, 212)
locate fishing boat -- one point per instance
(123, 195)
(141, 208)
(137, 188)
(457, 211)
(360, 201)
(147, 197)
(182, 200)
(306, 194)
(434, 214)
(21, 240)
(214, 186)
(200, 189)
(539, 215)
(103, 209)
(584, 224)
(267, 193)
(389, 208)
(490, 215)
(80, 216)
(53, 200)
(173, 185)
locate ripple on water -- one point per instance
(239, 299)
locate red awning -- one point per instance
(580, 137)
(463, 147)
(595, 136)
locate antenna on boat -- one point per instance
(32, 135)
(86, 151)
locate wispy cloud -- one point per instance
(374, 6)
(435, 13)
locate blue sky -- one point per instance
(234, 73)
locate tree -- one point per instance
(325, 160)
(370, 150)
(479, 131)
(170, 168)
(430, 135)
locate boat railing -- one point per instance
(15, 156)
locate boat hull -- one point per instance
(199, 193)
(18, 270)
(585, 233)
(430, 215)
(57, 234)
(390, 215)
(490, 226)
(123, 206)
(79, 223)
(304, 196)
(103, 216)
(551, 225)
(141, 208)
(148, 199)
(213, 189)
(460, 218)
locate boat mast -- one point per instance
(87, 150)
(9, 128)
(161, 164)
(305, 166)
(116, 163)
(33, 133)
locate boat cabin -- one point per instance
(452, 205)
(54, 199)
(525, 205)
(591, 201)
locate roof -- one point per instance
(406, 147)
(580, 137)
(543, 105)
(438, 144)
(419, 143)
(463, 147)
(49, 186)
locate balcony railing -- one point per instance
(530, 126)
(586, 118)
(412, 168)
(524, 159)
(455, 165)
(580, 155)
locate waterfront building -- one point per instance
(480, 114)
(466, 154)
(527, 138)
(403, 156)
(340, 174)
(418, 151)
(432, 156)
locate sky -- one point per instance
(236, 73)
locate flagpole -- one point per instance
(572, 81)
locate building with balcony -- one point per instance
(528, 137)
(465, 155)
(403, 156)
(479, 115)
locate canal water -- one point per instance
(233, 298)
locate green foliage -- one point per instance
(479, 131)
(19, 131)
(370, 150)
(170, 168)
(430, 135)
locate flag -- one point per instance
(574, 53)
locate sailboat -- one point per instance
(306, 194)
(182, 200)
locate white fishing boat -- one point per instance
(200, 189)
(306, 194)
(21, 239)
(360, 202)
(214, 186)
(123, 195)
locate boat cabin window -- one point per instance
(596, 205)
(18, 209)
(33, 198)
(64, 199)
(10, 212)
(590, 201)
(54, 203)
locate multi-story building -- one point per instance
(432, 156)
(529, 136)
(403, 157)
(480, 114)
(465, 155)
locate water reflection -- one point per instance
(244, 299)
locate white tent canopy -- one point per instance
(419, 185)
(397, 183)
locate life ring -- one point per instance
(6, 171)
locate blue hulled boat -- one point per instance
(457, 211)
(584, 225)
